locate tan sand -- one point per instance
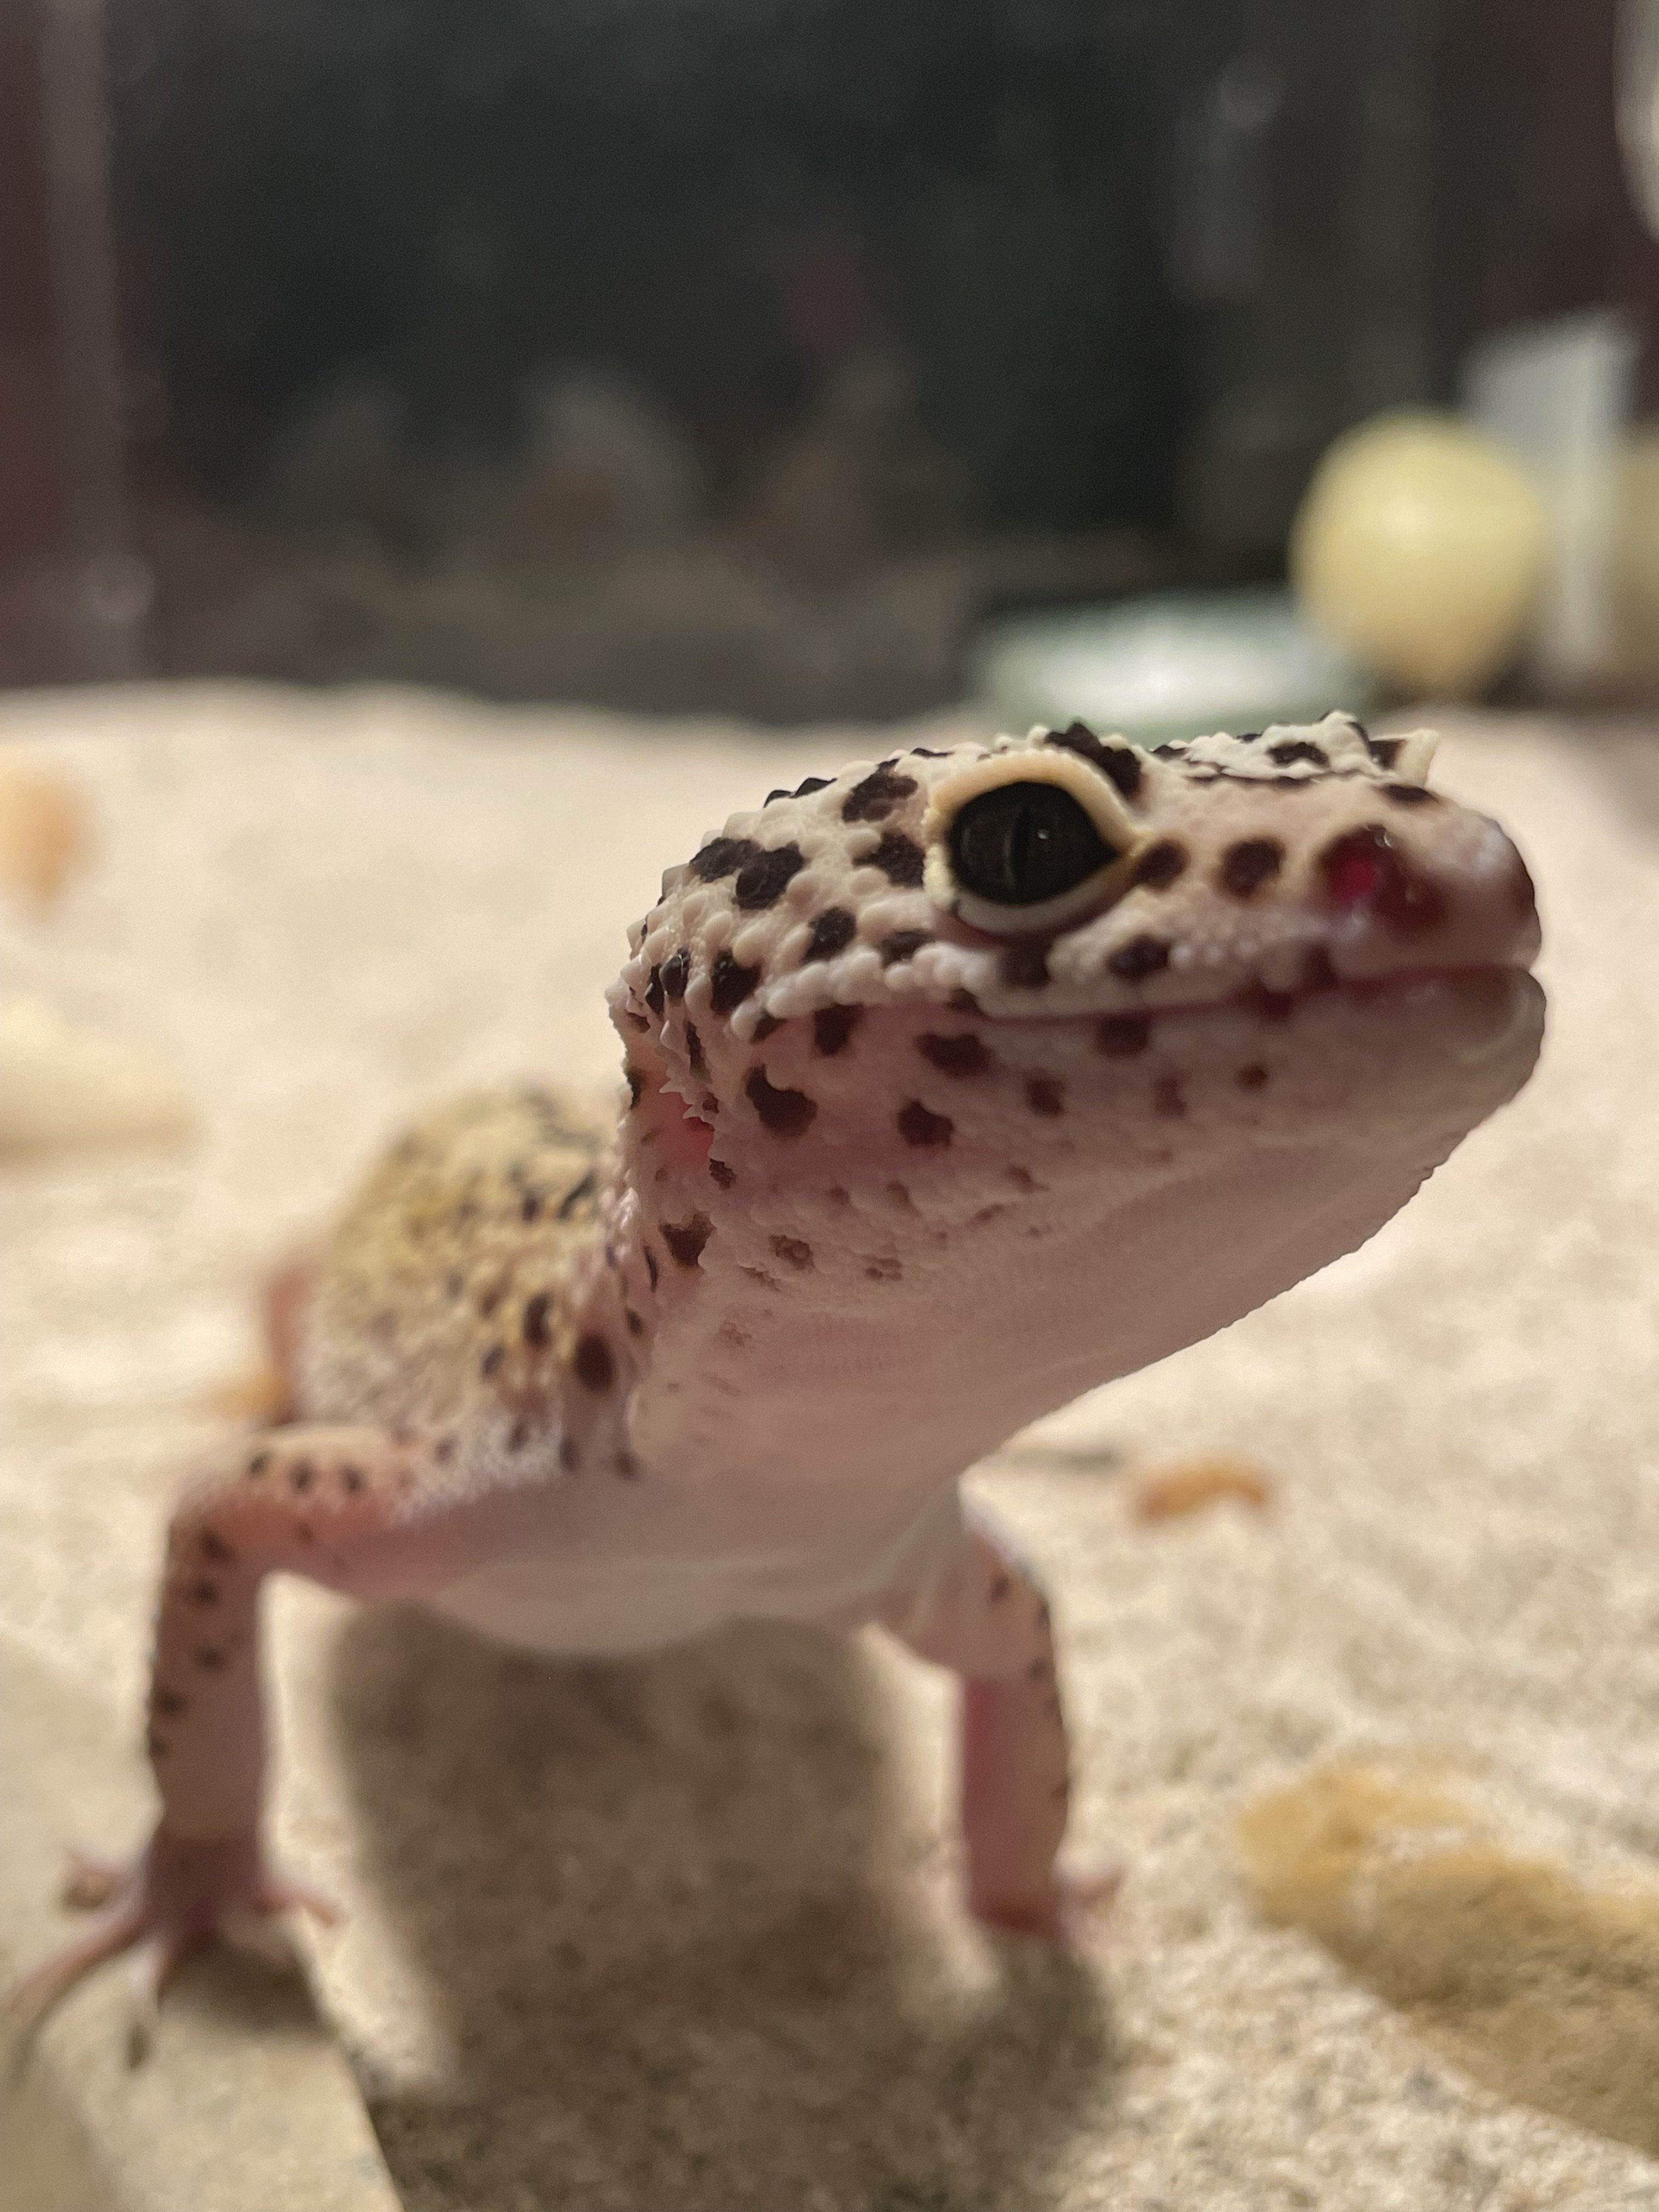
(661, 1937)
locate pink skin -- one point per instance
(347, 1507)
(986, 1617)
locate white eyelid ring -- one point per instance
(1119, 833)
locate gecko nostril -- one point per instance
(1369, 867)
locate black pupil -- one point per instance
(1020, 844)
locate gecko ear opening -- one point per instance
(1024, 841)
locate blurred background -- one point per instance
(833, 359)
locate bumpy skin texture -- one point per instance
(903, 1162)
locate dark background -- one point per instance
(742, 355)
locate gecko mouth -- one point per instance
(1487, 1002)
(1486, 991)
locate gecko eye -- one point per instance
(1028, 838)
(1022, 844)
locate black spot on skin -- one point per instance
(1141, 957)
(874, 799)
(1021, 1178)
(570, 1458)
(300, 1476)
(444, 1450)
(578, 1194)
(1268, 1005)
(685, 1239)
(1385, 752)
(765, 1026)
(963, 1002)
(1045, 1094)
(1025, 963)
(1169, 1102)
(763, 881)
(168, 1703)
(1250, 863)
(491, 1360)
(729, 985)
(675, 972)
(1120, 762)
(903, 945)
(210, 1659)
(918, 1126)
(900, 859)
(636, 1326)
(489, 1298)
(593, 1365)
(537, 1311)
(809, 784)
(518, 1436)
(1121, 1037)
(353, 1480)
(694, 1051)
(529, 1206)
(832, 933)
(723, 1174)
(1000, 1586)
(259, 1463)
(1289, 750)
(1160, 865)
(883, 1271)
(214, 1547)
(1318, 973)
(965, 1055)
(203, 1592)
(1410, 794)
(795, 1251)
(156, 1746)
(724, 856)
(831, 1028)
(711, 1105)
(785, 1113)
(650, 1269)
(654, 997)
(1251, 1078)
(627, 1465)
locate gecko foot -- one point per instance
(173, 1898)
(1062, 1912)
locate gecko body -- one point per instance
(956, 1084)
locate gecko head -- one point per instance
(1061, 954)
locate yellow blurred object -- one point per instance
(1171, 1492)
(63, 1088)
(1542, 1987)
(43, 831)
(1420, 546)
(1635, 565)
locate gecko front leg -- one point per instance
(357, 1508)
(986, 1617)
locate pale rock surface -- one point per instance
(682, 1934)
